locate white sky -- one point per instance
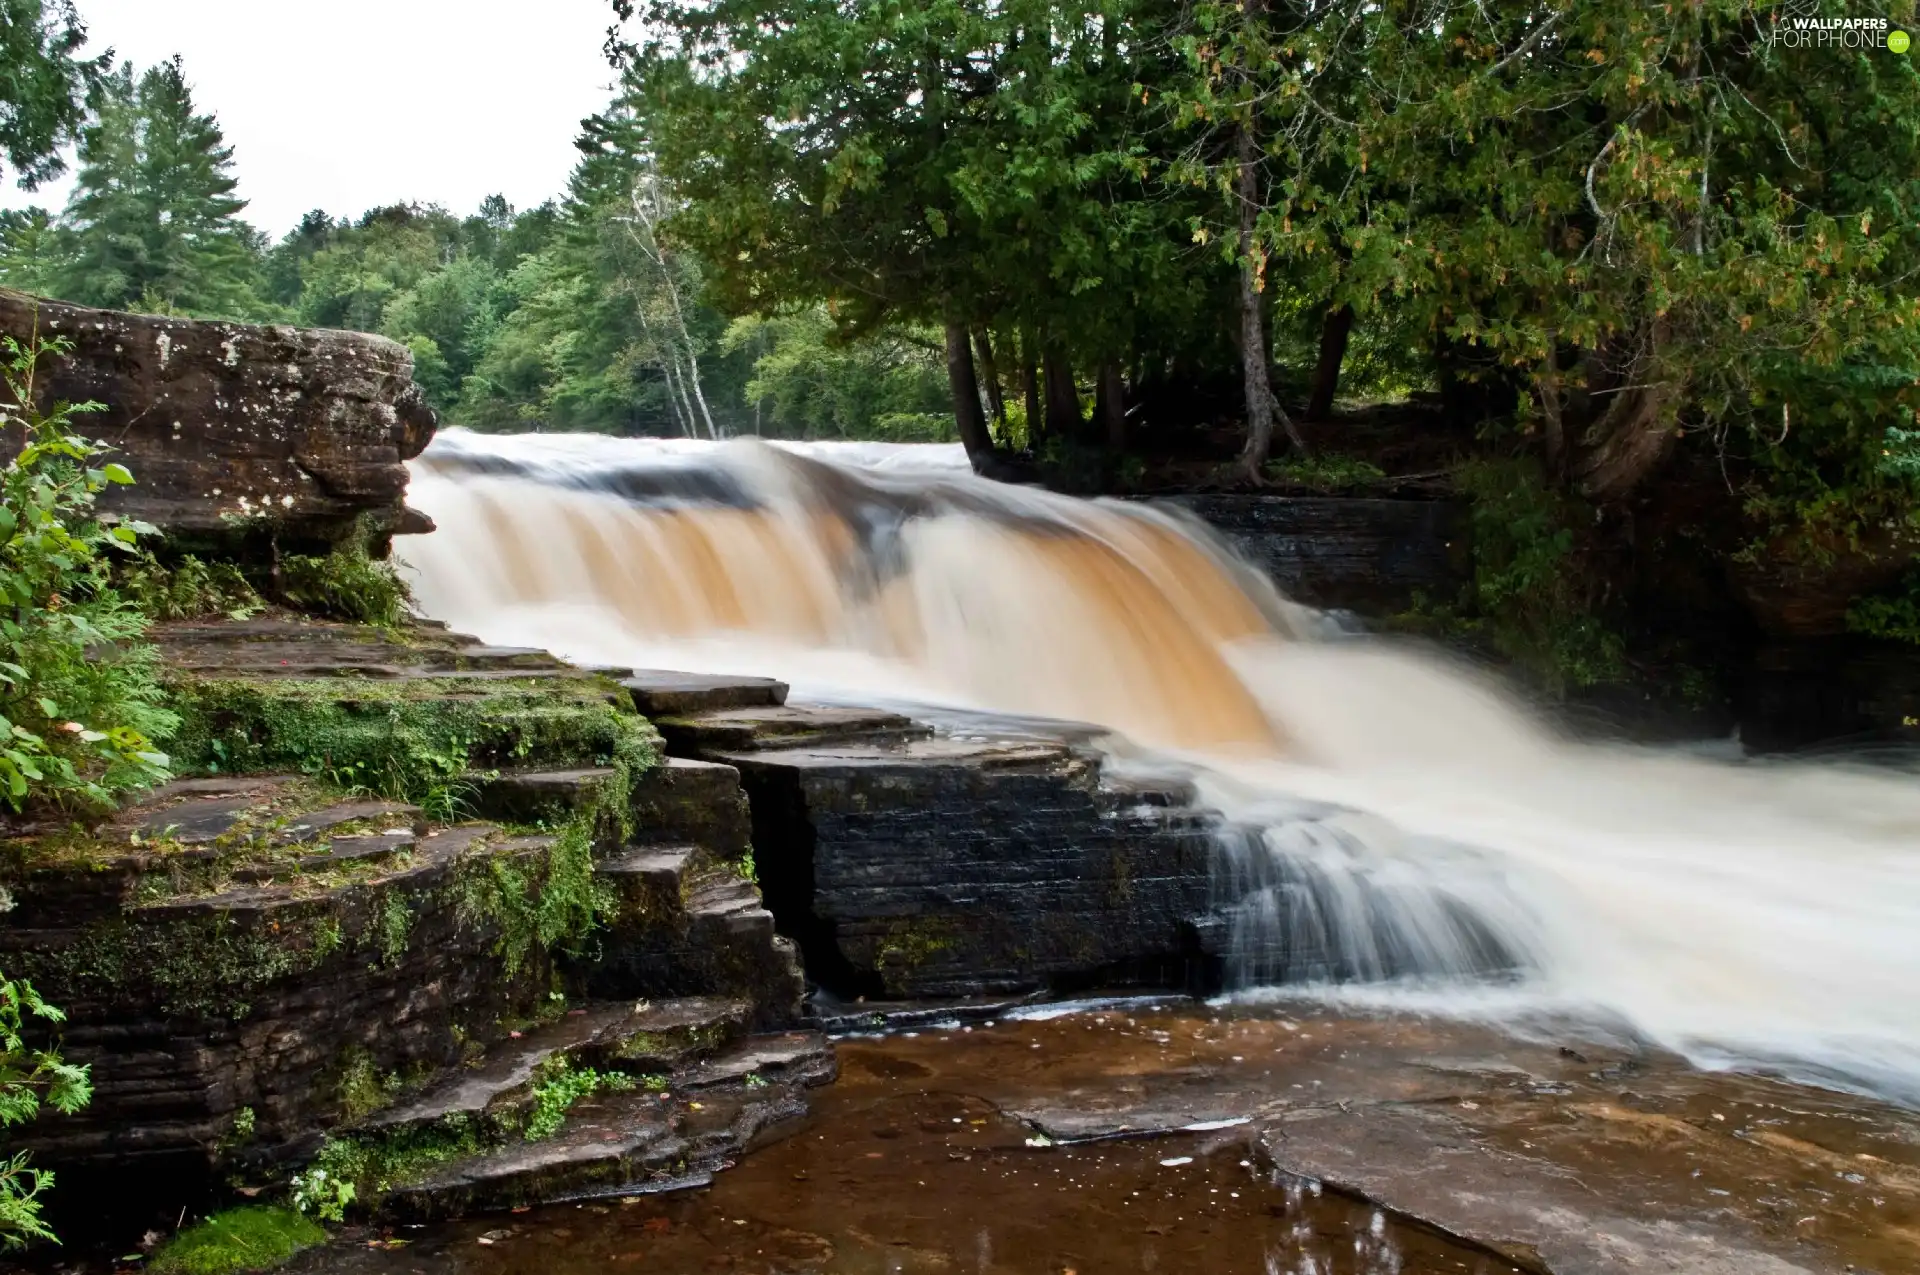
(351, 104)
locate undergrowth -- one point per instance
(1533, 595)
(559, 1086)
(1328, 472)
(189, 589)
(81, 708)
(346, 584)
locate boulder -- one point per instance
(239, 435)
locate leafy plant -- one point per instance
(80, 699)
(322, 1194)
(346, 584)
(28, 1079)
(188, 590)
(559, 1087)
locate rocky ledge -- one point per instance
(239, 435)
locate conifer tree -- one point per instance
(43, 85)
(154, 223)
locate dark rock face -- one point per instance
(947, 869)
(910, 866)
(252, 963)
(237, 433)
(1364, 555)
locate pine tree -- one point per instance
(43, 85)
(153, 222)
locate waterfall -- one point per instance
(1399, 830)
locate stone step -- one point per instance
(689, 924)
(539, 796)
(648, 884)
(345, 850)
(663, 693)
(503, 657)
(786, 726)
(801, 1058)
(637, 1141)
(492, 1096)
(687, 801)
(734, 905)
(391, 816)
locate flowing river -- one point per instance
(1747, 915)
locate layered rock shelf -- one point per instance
(267, 966)
(238, 435)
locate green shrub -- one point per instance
(1532, 593)
(1327, 472)
(80, 700)
(346, 584)
(29, 1078)
(1894, 615)
(188, 590)
(255, 1238)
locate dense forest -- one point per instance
(579, 314)
(1638, 281)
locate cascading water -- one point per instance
(1414, 837)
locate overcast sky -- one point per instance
(351, 104)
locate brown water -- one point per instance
(951, 1151)
(898, 1172)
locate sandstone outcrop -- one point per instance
(236, 434)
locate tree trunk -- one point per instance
(1335, 328)
(1253, 336)
(1030, 390)
(1552, 414)
(1110, 406)
(983, 349)
(967, 415)
(1063, 396)
(1634, 435)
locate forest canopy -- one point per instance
(1634, 269)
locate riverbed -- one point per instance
(1278, 1138)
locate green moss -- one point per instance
(413, 739)
(254, 1238)
(207, 965)
(394, 923)
(376, 1165)
(538, 902)
(911, 944)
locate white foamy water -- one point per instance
(1416, 820)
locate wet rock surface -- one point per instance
(1365, 555)
(238, 434)
(909, 865)
(252, 963)
(1289, 1139)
